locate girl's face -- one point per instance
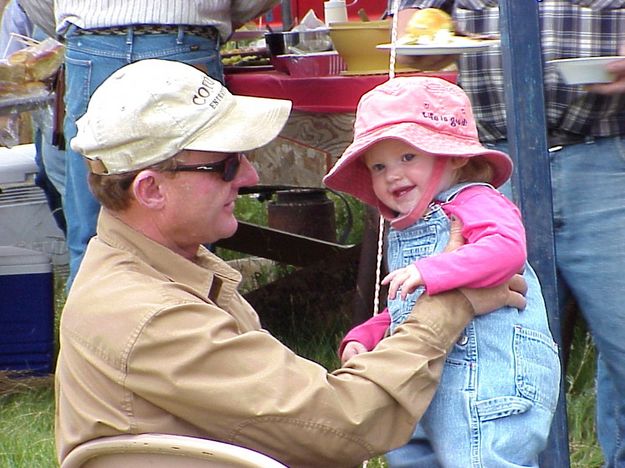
(400, 173)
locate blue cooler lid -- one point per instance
(20, 261)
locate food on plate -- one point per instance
(244, 61)
(243, 54)
(428, 26)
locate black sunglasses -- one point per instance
(227, 167)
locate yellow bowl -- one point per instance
(356, 42)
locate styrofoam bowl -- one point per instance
(586, 70)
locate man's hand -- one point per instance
(455, 235)
(486, 300)
(617, 68)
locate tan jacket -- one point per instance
(151, 342)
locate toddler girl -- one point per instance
(416, 156)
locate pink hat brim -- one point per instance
(350, 175)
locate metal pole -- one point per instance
(287, 15)
(531, 181)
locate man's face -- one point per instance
(200, 205)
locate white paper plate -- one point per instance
(585, 70)
(458, 45)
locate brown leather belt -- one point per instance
(208, 32)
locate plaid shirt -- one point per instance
(569, 28)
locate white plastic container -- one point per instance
(25, 217)
(587, 70)
(335, 11)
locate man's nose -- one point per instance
(247, 175)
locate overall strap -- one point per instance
(448, 195)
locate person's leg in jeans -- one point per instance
(90, 59)
(43, 181)
(588, 183)
(588, 190)
(51, 162)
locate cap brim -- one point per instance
(350, 175)
(250, 123)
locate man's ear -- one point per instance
(147, 189)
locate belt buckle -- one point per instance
(555, 148)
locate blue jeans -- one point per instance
(89, 60)
(46, 175)
(588, 191)
(50, 159)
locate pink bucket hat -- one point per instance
(430, 114)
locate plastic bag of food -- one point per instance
(40, 61)
(23, 88)
(10, 129)
(12, 73)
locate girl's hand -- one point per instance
(404, 280)
(352, 349)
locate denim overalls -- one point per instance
(500, 383)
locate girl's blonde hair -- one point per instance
(475, 170)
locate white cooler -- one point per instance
(25, 218)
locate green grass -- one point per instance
(27, 405)
(27, 427)
(580, 400)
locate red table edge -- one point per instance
(320, 94)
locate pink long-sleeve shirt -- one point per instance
(495, 250)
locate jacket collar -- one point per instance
(208, 274)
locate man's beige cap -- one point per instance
(150, 110)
